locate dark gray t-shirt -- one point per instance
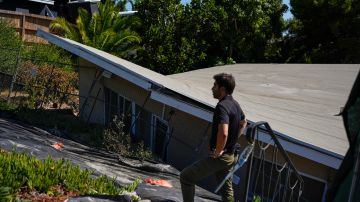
(227, 111)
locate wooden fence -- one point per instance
(26, 24)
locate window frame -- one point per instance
(154, 119)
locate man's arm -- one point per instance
(222, 134)
(243, 124)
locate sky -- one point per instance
(287, 15)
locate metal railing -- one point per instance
(271, 174)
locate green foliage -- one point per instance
(37, 66)
(326, 31)
(21, 170)
(55, 82)
(241, 30)
(256, 198)
(133, 186)
(14, 53)
(8, 36)
(165, 49)
(116, 140)
(104, 30)
(44, 54)
(6, 106)
(205, 33)
(10, 44)
(154, 55)
(5, 194)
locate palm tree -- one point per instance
(105, 30)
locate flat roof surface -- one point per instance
(298, 100)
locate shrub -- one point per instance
(57, 81)
(21, 171)
(44, 54)
(6, 106)
(116, 140)
(5, 194)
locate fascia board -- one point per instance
(182, 106)
(94, 59)
(303, 151)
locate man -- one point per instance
(228, 123)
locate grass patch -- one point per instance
(19, 172)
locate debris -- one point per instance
(58, 145)
(159, 182)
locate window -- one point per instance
(143, 125)
(117, 105)
(139, 123)
(160, 136)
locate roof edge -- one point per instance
(97, 60)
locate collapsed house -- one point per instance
(173, 114)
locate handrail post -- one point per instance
(248, 177)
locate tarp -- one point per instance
(41, 143)
(346, 186)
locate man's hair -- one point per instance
(225, 80)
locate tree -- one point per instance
(10, 44)
(203, 27)
(164, 49)
(104, 30)
(236, 30)
(252, 29)
(325, 31)
(205, 33)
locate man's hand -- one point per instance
(243, 124)
(221, 139)
(215, 154)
